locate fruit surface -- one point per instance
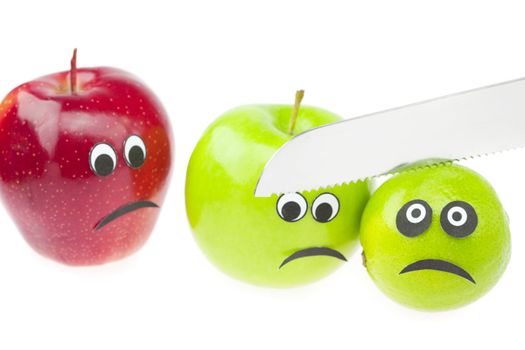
(279, 241)
(435, 238)
(83, 173)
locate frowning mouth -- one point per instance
(123, 210)
(438, 265)
(314, 251)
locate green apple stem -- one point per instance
(73, 73)
(299, 94)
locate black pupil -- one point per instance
(291, 211)
(103, 165)
(136, 156)
(323, 212)
(414, 218)
(451, 225)
(416, 213)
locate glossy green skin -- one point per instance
(484, 254)
(242, 234)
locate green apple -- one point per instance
(435, 238)
(279, 241)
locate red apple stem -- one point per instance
(299, 94)
(73, 73)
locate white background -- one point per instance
(205, 57)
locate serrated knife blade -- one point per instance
(453, 127)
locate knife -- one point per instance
(449, 128)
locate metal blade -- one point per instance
(452, 127)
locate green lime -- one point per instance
(435, 238)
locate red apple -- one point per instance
(85, 158)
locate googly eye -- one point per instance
(414, 218)
(291, 207)
(325, 207)
(134, 151)
(459, 219)
(102, 159)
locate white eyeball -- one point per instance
(292, 207)
(416, 213)
(134, 151)
(102, 159)
(325, 207)
(457, 216)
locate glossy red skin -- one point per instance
(47, 185)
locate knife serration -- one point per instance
(452, 127)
